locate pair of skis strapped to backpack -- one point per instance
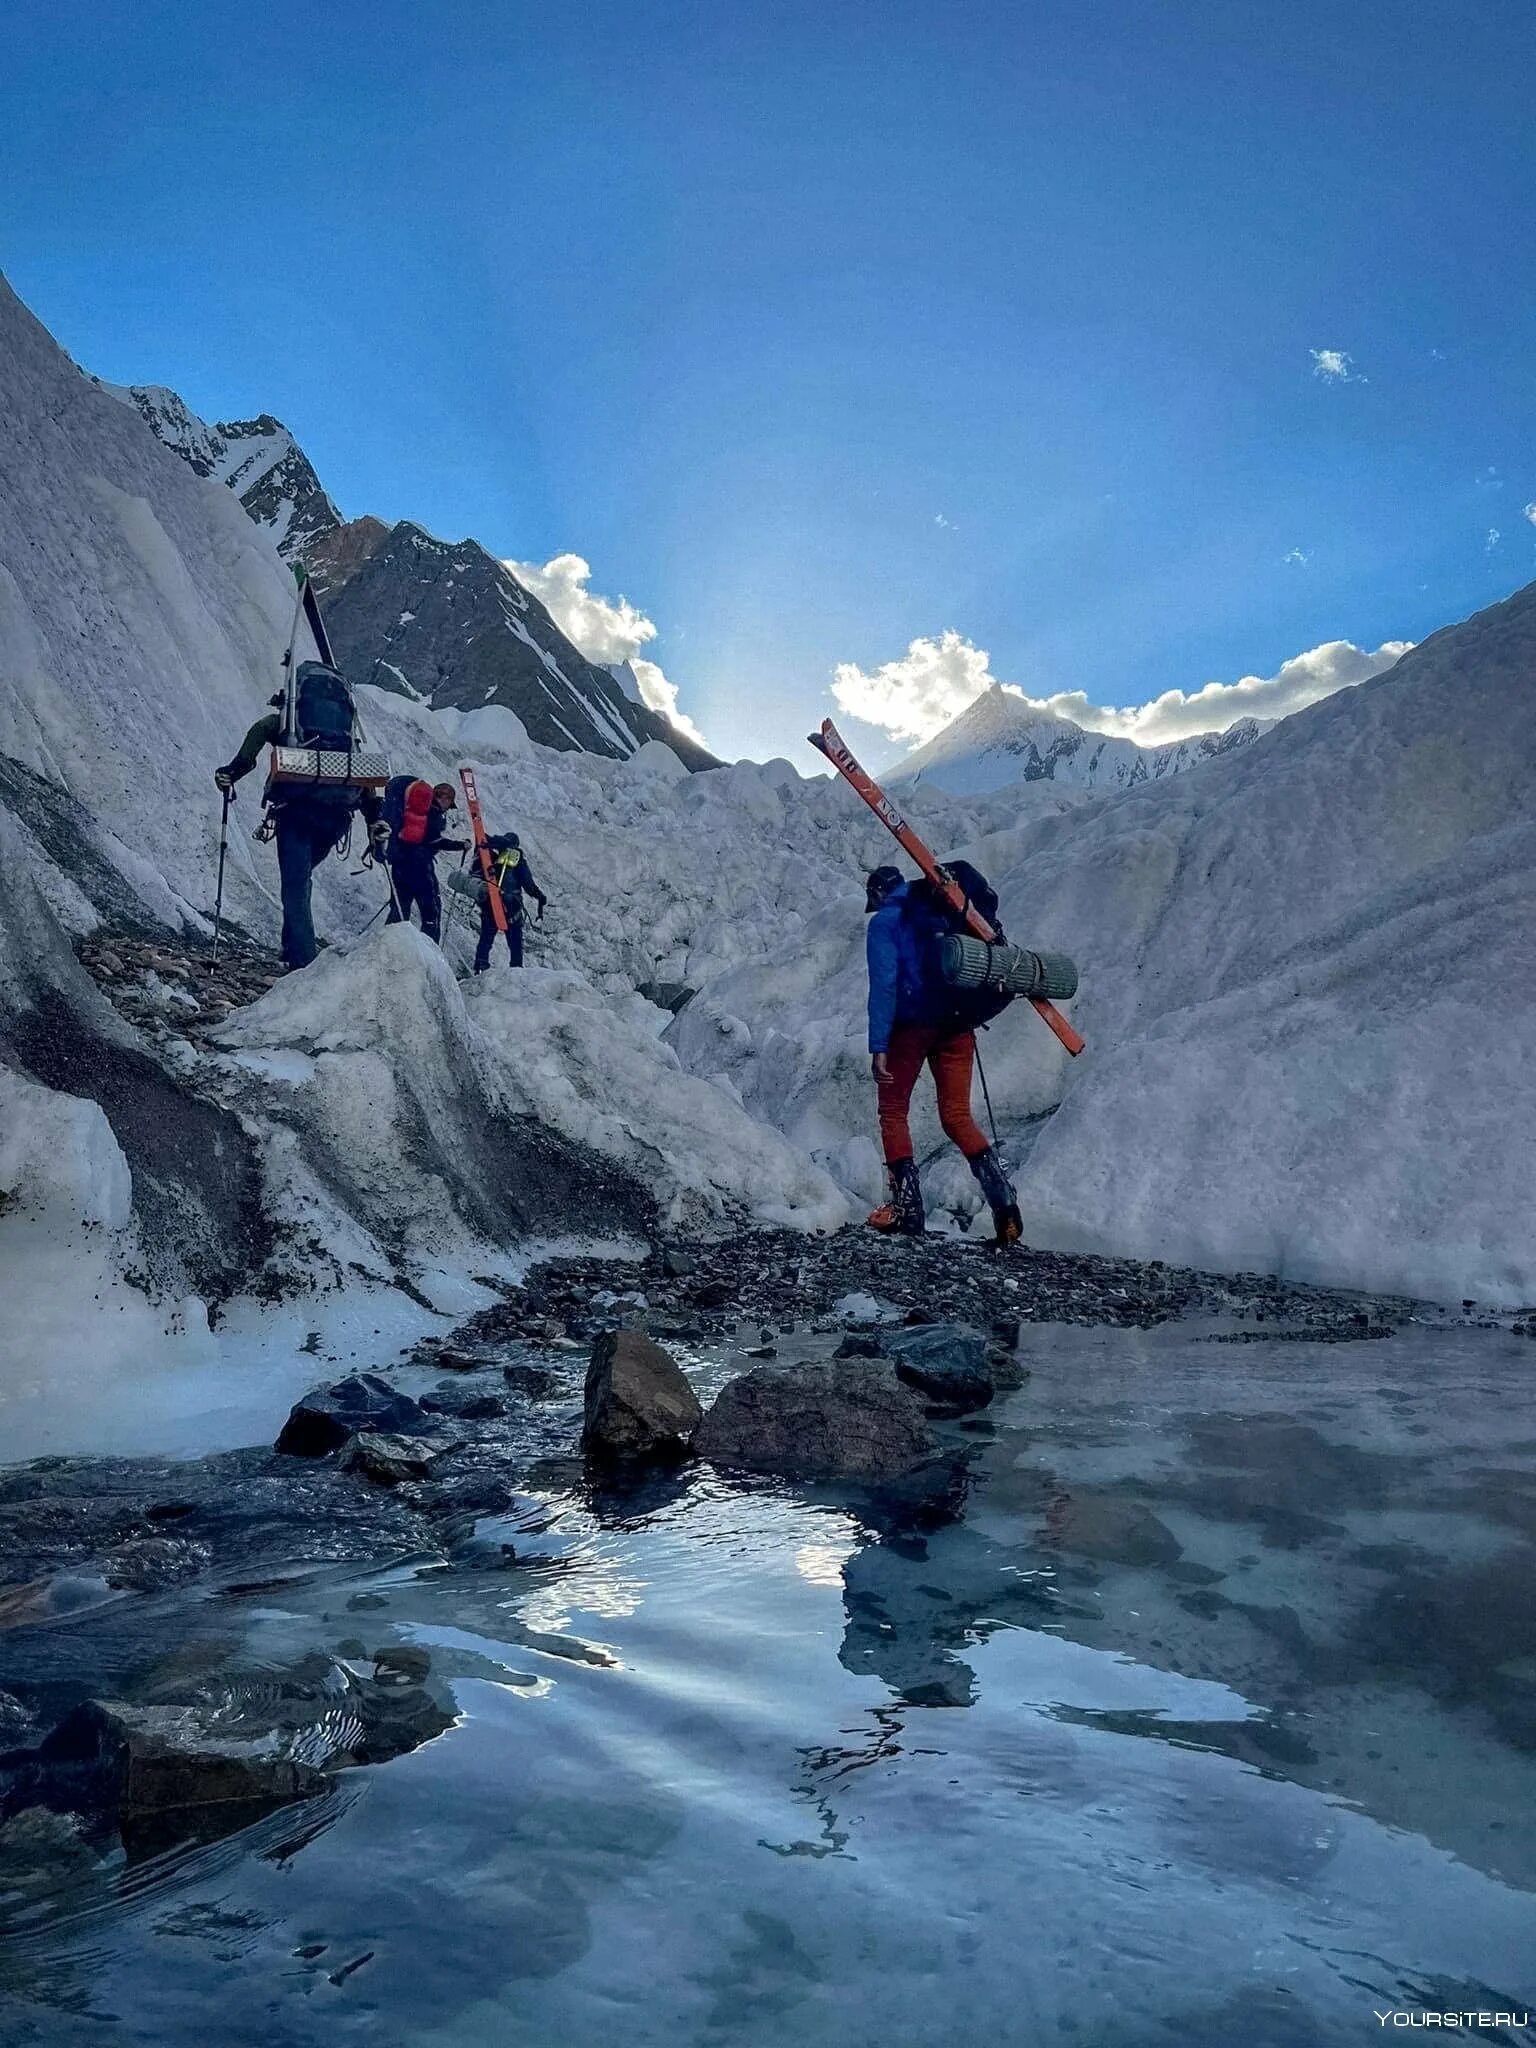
(482, 848)
(297, 762)
(830, 743)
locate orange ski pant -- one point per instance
(951, 1056)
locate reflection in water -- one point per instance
(1184, 1713)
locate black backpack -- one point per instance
(324, 709)
(929, 909)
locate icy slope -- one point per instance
(413, 1096)
(1312, 971)
(142, 616)
(1002, 738)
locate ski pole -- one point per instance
(218, 905)
(986, 1096)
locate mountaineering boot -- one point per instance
(997, 1191)
(902, 1215)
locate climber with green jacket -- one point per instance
(514, 880)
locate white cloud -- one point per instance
(660, 693)
(1494, 537)
(1336, 366)
(1297, 556)
(602, 629)
(917, 696)
(1176, 715)
(1529, 512)
(606, 630)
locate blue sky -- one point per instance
(817, 331)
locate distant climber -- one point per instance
(916, 1019)
(311, 819)
(514, 880)
(417, 815)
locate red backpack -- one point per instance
(407, 806)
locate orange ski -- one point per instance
(830, 742)
(477, 822)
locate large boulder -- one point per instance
(638, 1402)
(328, 1417)
(847, 1418)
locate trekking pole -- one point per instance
(218, 904)
(986, 1096)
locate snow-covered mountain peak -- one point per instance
(1003, 737)
(258, 459)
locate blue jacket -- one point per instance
(903, 985)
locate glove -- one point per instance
(453, 846)
(378, 836)
(223, 781)
(542, 908)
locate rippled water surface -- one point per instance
(1209, 1718)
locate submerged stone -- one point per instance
(146, 1760)
(1116, 1531)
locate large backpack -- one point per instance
(323, 708)
(933, 919)
(407, 809)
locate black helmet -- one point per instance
(878, 884)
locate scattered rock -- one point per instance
(465, 1404)
(533, 1382)
(856, 1345)
(469, 1494)
(328, 1417)
(388, 1460)
(15, 1722)
(146, 1564)
(849, 1418)
(457, 1361)
(1006, 1368)
(638, 1403)
(712, 1293)
(678, 1264)
(764, 1351)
